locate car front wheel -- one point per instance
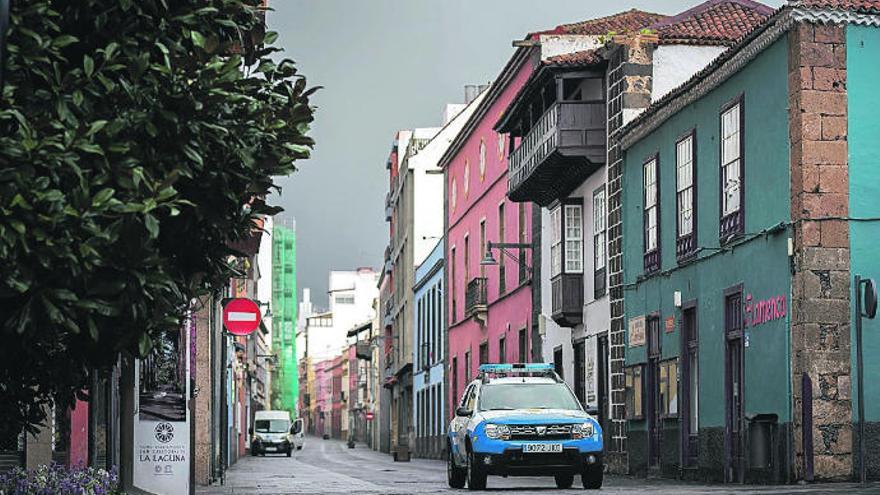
(455, 475)
(564, 481)
(476, 476)
(592, 477)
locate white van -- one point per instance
(273, 433)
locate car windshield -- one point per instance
(509, 396)
(271, 425)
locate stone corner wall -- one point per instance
(820, 292)
(629, 92)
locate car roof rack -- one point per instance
(517, 369)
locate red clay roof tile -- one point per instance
(630, 20)
(585, 57)
(713, 22)
(864, 6)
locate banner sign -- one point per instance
(162, 423)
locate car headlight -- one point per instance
(582, 430)
(496, 432)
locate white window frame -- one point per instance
(599, 221)
(684, 189)
(731, 159)
(556, 241)
(574, 238)
(651, 208)
(482, 159)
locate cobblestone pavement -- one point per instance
(328, 467)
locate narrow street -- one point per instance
(329, 467)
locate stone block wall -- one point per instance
(629, 93)
(820, 324)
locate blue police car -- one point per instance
(522, 420)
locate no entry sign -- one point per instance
(241, 316)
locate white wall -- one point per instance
(264, 268)
(554, 335)
(327, 342)
(559, 44)
(675, 64)
(428, 185)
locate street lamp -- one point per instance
(490, 260)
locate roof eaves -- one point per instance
(734, 58)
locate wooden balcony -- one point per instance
(476, 298)
(561, 150)
(567, 299)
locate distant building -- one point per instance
(285, 380)
(429, 377)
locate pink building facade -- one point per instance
(489, 306)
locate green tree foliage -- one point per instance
(132, 135)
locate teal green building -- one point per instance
(749, 203)
(285, 376)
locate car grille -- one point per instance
(531, 432)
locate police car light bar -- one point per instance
(516, 368)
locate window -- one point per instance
(502, 350)
(345, 299)
(651, 214)
(482, 247)
(467, 260)
(482, 160)
(574, 239)
(668, 396)
(555, 242)
(454, 315)
(522, 240)
(599, 242)
(502, 261)
(466, 178)
(454, 380)
(558, 365)
(453, 194)
(731, 171)
(467, 365)
(633, 386)
(484, 353)
(523, 346)
(501, 141)
(685, 196)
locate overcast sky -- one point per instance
(387, 65)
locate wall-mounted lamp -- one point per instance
(676, 299)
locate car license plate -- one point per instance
(542, 448)
(270, 449)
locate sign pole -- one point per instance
(860, 383)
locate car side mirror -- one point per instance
(463, 411)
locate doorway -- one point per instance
(602, 389)
(733, 386)
(690, 373)
(655, 430)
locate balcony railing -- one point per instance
(563, 148)
(475, 297)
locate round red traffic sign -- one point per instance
(241, 316)
(369, 416)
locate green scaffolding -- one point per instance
(285, 379)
